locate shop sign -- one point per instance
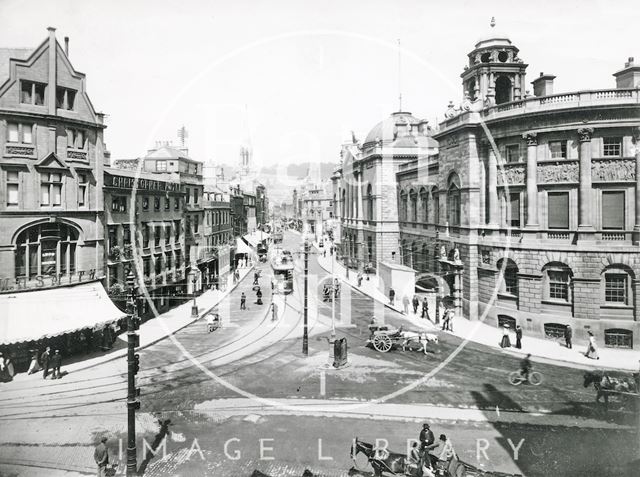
(129, 183)
(46, 281)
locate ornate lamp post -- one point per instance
(194, 308)
(305, 333)
(133, 366)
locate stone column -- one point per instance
(532, 179)
(359, 232)
(584, 197)
(492, 185)
(636, 227)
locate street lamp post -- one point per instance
(332, 339)
(194, 308)
(133, 403)
(305, 334)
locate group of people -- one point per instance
(425, 455)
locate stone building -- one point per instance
(539, 194)
(218, 234)
(145, 232)
(365, 201)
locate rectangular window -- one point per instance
(82, 189)
(178, 258)
(168, 260)
(12, 133)
(615, 288)
(21, 133)
(146, 263)
(514, 201)
(196, 223)
(512, 153)
(558, 149)
(145, 235)
(167, 203)
(126, 234)
(51, 188)
(27, 133)
(161, 166)
(167, 234)
(195, 196)
(119, 204)
(112, 236)
(156, 236)
(156, 203)
(176, 203)
(176, 231)
(65, 98)
(612, 147)
(32, 93)
(558, 285)
(145, 203)
(13, 187)
(558, 210)
(158, 260)
(75, 139)
(188, 195)
(613, 210)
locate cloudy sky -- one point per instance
(304, 73)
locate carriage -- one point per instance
(384, 337)
(623, 389)
(383, 462)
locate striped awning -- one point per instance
(34, 315)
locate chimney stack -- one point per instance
(629, 76)
(66, 46)
(543, 85)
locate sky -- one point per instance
(294, 77)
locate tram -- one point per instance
(282, 266)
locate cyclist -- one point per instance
(526, 367)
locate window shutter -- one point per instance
(613, 210)
(558, 207)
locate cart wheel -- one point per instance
(382, 343)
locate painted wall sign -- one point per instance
(128, 183)
(46, 281)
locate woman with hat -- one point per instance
(592, 348)
(506, 341)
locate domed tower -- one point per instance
(495, 74)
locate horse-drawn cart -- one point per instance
(620, 388)
(385, 337)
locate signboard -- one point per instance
(129, 183)
(46, 281)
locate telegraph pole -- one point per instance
(133, 360)
(305, 334)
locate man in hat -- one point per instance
(568, 335)
(427, 440)
(56, 363)
(101, 456)
(243, 301)
(44, 361)
(518, 337)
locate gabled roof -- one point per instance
(6, 54)
(167, 152)
(52, 161)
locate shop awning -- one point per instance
(33, 315)
(251, 239)
(242, 247)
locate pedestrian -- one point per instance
(506, 341)
(568, 334)
(405, 304)
(259, 296)
(359, 279)
(44, 361)
(450, 318)
(592, 348)
(445, 320)
(274, 311)
(518, 337)
(5, 376)
(34, 367)
(426, 439)
(425, 308)
(445, 452)
(243, 301)
(324, 253)
(392, 295)
(56, 363)
(101, 456)
(255, 278)
(416, 303)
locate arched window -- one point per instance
(471, 89)
(617, 287)
(415, 260)
(453, 204)
(435, 195)
(424, 202)
(414, 205)
(557, 282)
(503, 90)
(343, 202)
(370, 249)
(46, 249)
(370, 203)
(509, 283)
(403, 206)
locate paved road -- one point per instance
(254, 355)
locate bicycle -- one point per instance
(516, 378)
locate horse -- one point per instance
(603, 384)
(380, 459)
(422, 339)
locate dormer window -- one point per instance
(65, 98)
(32, 93)
(161, 166)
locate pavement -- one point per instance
(541, 350)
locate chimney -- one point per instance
(629, 76)
(66, 46)
(543, 85)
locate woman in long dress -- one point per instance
(592, 348)
(506, 341)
